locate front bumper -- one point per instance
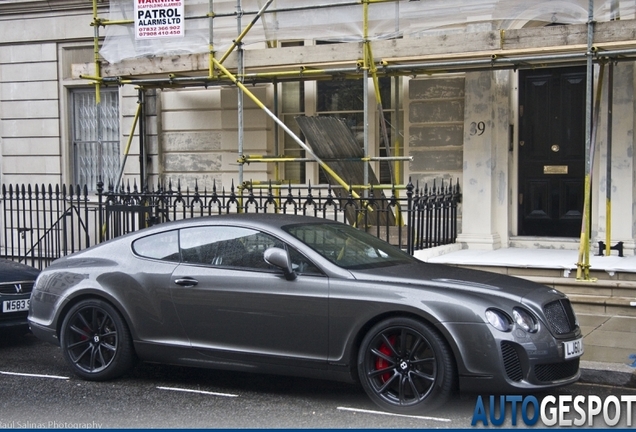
(494, 361)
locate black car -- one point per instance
(16, 283)
(304, 296)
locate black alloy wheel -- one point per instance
(406, 367)
(96, 342)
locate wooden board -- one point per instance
(330, 138)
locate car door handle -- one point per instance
(186, 282)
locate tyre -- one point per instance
(405, 366)
(96, 342)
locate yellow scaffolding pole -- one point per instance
(211, 51)
(283, 184)
(583, 264)
(95, 24)
(128, 144)
(608, 168)
(280, 123)
(370, 65)
(246, 30)
(275, 159)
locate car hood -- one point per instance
(455, 278)
(11, 271)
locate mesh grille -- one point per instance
(16, 288)
(512, 364)
(556, 371)
(560, 316)
(14, 317)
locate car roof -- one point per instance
(274, 220)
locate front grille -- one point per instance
(556, 371)
(560, 316)
(512, 364)
(16, 288)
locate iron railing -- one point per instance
(41, 224)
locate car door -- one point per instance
(231, 302)
(146, 283)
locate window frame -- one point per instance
(97, 170)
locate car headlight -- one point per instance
(524, 320)
(498, 320)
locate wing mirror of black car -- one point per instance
(280, 258)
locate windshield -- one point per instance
(348, 247)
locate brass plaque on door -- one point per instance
(555, 169)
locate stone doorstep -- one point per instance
(573, 282)
(623, 291)
(608, 297)
(603, 300)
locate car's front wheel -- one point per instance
(96, 341)
(405, 366)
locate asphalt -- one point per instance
(610, 350)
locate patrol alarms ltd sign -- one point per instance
(159, 19)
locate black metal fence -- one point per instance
(40, 224)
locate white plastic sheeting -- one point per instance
(341, 20)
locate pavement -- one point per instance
(610, 350)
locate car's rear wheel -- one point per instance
(96, 341)
(405, 366)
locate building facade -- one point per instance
(499, 103)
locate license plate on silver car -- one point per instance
(15, 305)
(573, 348)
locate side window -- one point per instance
(226, 246)
(302, 265)
(163, 246)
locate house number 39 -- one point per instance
(477, 128)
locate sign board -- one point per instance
(159, 19)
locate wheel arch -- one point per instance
(90, 295)
(362, 332)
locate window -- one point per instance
(345, 99)
(163, 246)
(95, 136)
(348, 247)
(226, 246)
(302, 265)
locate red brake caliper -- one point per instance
(381, 363)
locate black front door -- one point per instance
(551, 151)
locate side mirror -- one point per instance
(280, 258)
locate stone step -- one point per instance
(603, 296)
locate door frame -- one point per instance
(515, 183)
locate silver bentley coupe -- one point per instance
(271, 293)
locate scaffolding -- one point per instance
(481, 35)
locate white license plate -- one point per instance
(16, 305)
(573, 349)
